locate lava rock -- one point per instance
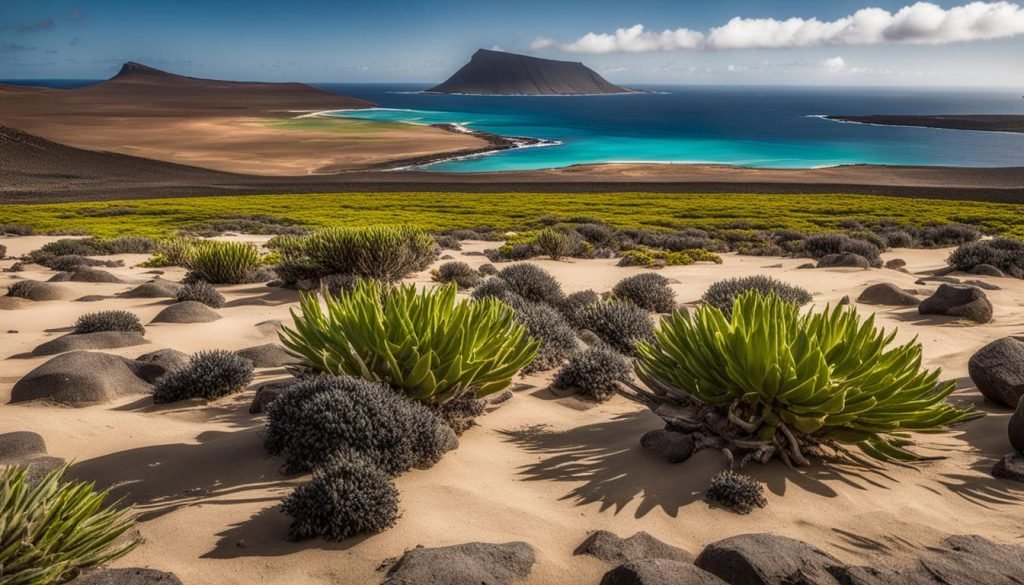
(96, 340)
(971, 559)
(768, 559)
(131, 576)
(269, 355)
(609, 547)
(1010, 467)
(807, 266)
(80, 378)
(1016, 429)
(153, 365)
(473, 563)
(86, 275)
(957, 300)
(672, 446)
(987, 270)
(19, 445)
(885, 293)
(38, 467)
(844, 260)
(155, 289)
(186, 312)
(896, 264)
(998, 371)
(982, 284)
(659, 572)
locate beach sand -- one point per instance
(541, 469)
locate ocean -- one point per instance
(770, 127)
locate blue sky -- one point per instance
(640, 41)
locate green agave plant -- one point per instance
(382, 252)
(220, 262)
(790, 380)
(50, 530)
(422, 342)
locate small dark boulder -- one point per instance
(659, 572)
(896, 264)
(885, 293)
(987, 270)
(958, 300)
(80, 378)
(86, 275)
(1010, 467)
(132, 576)
(1017, 427)
(268, 355)
(970, 560)
(91, 298)
(155, 289)
(269, 328)
(609, 547)
(473, 563)
(96, 340)
(807, 266)
(153, 365)
(844, 260)
(672, 446)
(768, 559)
(998, 371)
(3, 251)
(186, 312)
(18, 445)
(983, 285)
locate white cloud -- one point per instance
(833, 64)
(921, 23)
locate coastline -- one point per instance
(999, 124)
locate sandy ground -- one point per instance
(542, 469)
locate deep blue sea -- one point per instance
(749, 126)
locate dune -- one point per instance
(543, 469)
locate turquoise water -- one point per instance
(755, 127)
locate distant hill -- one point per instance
(500, 73)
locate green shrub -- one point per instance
(346, 497)
(71, 263)
(649, 257)
(740, 493)
(723, 293)
(820, 245)
(950, 234)
(1006, 254)
(460, 273)
(487, 270)
(532, 283)
(788, 382)
(555, 244)
(218, 262)
(201, 292)
(595, 372)
(557, 338)
(422, 342)
(51, 530)
(620, 325)
(384, 253)
(22, 288)
(113, 320)
(649, 291)
(207, 375)
(171, 252)
(574, 304)
(318, 418)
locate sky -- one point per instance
(800, 42)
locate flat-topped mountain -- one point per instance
(500, 73)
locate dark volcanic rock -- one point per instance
(983, 285)
(844, 260)
(19, 445)
(987, 270)
(97, 340)
(132, 576)
(1017, 427)
(474, 563)
(156, 289)
(896, 264)
(38, 467)
(768, 559)
(673, 446)
(970, 559)
(998, 371)
(957, 300)
(80, 378)
(1010, 467)
(269, 328)
(885, 293)
(268, 355)
(500, 73)
(609, 547)
(86, 275)
(659, 572)
(153, 365)
(186, 312)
